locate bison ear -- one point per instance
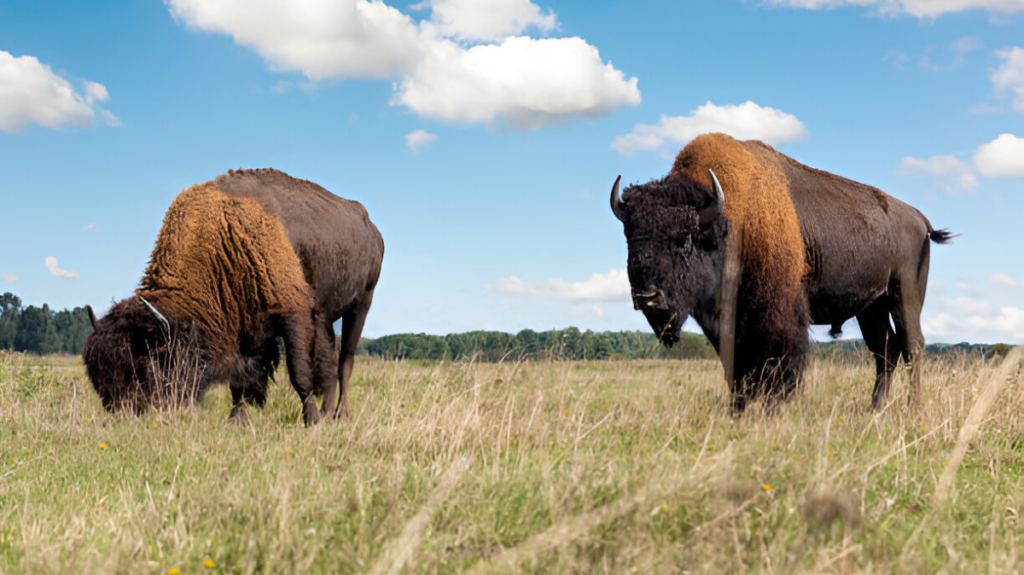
(616, 202)
(92, 316)
(715, 208)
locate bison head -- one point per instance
(675, 233)
(133, 351)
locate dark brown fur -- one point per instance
(340, 250)
(223, 269)
(817, 248)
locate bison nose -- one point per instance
(652, 298)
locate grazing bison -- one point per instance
(340, 250)
(809, 247)
(222, 284)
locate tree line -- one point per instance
(41, 330)
(560, 344)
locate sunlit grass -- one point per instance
(591, 467)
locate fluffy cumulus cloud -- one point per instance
(1009, 76)
(416, 140)
(31, 93)
(506, 80)
(956, 173)
(747, 121)
(522, 82)
(489, 21)
(320, 38)
(918, 8)
(614, 286)
(1002, 157)
(51, 264)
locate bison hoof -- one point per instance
(239, 416)
(310, 412)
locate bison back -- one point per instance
(339, 247)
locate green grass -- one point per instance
(591, 467)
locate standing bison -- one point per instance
(222, 285)
(340, 250)
(805, 246)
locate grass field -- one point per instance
(588, 467)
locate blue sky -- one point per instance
(483, 135)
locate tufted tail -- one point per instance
(942, 236)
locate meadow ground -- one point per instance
(585, 467)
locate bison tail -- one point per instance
(942, 236)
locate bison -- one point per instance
(223, 283)
(340, 250)
(756, 246)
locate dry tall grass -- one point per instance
(589, 467)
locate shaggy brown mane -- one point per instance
(756, 196)
(228, 254)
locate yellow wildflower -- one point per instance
(154, 425)
(103, 446)
(173, 571)
(209, 564)
(28, 451)
(767, 487)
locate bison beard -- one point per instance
(225, 280)
(813, 248)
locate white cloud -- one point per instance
(488, 20)
(1004, 280)
(748, 121)
(1002, 157)
(588, 309)
(975, 320)
(51, 264)
(966, 287)
(520, 82)
(978, 317)
(1010, 75)
(320, 38)
(955, 172)
(611, 287)
(90, 227)
(919, 8)
(416, 140)
(31, 93)
(110, 119)
(979, 109)
(10, 278)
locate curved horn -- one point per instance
(92, 316)
(163, 320)
(715, 208)
(616, 202)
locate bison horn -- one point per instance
(163, 320)
(715, 208)
(92, 316)
(616, 202)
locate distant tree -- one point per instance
(10, 313)
(32, 329)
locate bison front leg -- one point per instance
(238, 415)
(298, 343)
